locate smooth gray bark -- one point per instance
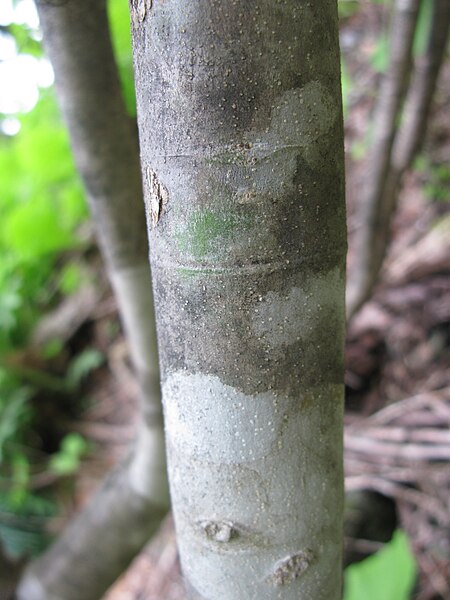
(130, 504)
(240, 123)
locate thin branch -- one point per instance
(428, 435)
(411, 132)
(425, 400)
(386, 114)
(423, 85)
(375, 449)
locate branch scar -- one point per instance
(289, 568)
(159, 196)
(139, 9)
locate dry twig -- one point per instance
(411, 464)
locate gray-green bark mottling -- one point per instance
(240, 125)
(129, 506)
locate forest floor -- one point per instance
(397, 356)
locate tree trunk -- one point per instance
(396, 146)
(129, 506)
(240, 123)
(370, 243)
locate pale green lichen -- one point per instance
(302, 115)
(207, 233)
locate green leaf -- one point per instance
(74, 444)
(119, 22)
(10, 301)
(380, 56)
(389, 574)
(71, 278)
(346, 85)
(422, 32)
(24, 524)
(14, 410)
(52, 348)
(72, 205)
(347, 8)
(34, 229)
(67, 460)
(25, 39)
(82, 365)
(20, 476)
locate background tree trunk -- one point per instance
(128, 509)
(240, 121)
(387, 110)
(400, 119)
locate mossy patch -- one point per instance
(208, 233)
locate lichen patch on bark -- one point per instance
(223, 422)
(302, 115)
(278, 316)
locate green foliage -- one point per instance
(437, 179)
(438, 186)
(42, 207)
(52, 349)
(14, 410)
(119, 20)
(25, 42)
(33, 230)
(346, 85)
(23, 530)
(389, 574)
(81, 366)
(19, 478)
(380, 55)
(67, 460)
(71, 278)
(423, 28)
(9, 300)
(348, 8)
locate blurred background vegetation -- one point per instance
(45, 245)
